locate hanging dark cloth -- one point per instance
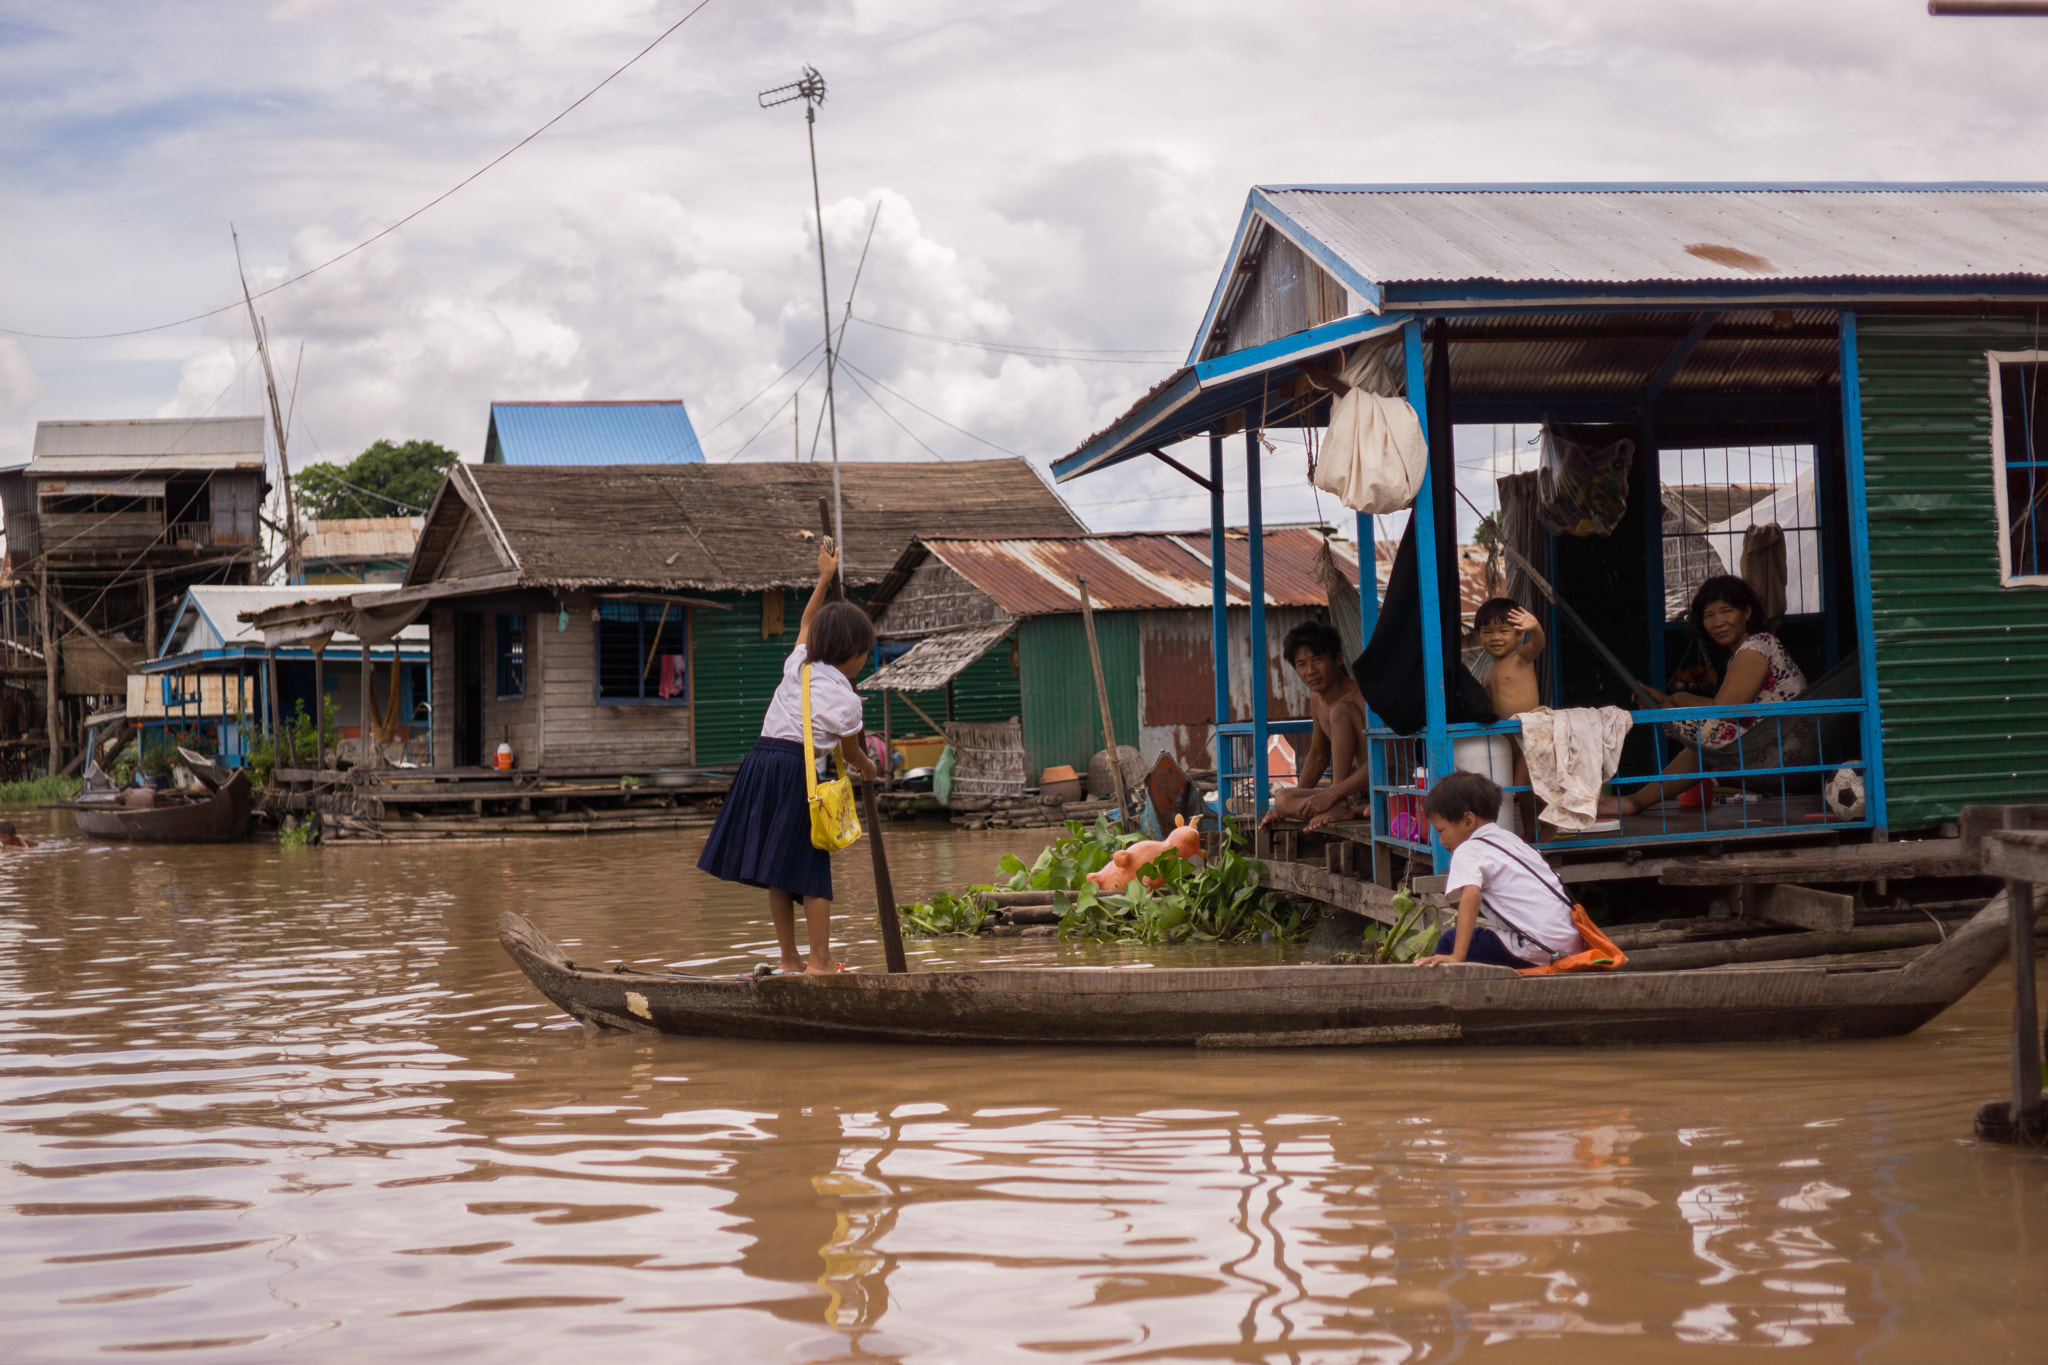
(1389, 672)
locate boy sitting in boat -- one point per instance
(1527, 912)
(1338, 740)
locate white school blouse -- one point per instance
(1521, 899)
(835, 706)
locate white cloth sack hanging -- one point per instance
(1570, 753)
(1373, 453)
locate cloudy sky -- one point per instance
(1056, 184)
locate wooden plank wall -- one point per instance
(578, 734)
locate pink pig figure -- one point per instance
(1124, 863)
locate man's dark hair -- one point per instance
(1462, 794)
(1494, 609)
(1317, 637)
(1730, 591)
(840, 633)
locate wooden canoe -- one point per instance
(1282, 1006)
(217, 819)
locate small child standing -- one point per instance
(763, 834)
(1512, 638)
(1528, 912)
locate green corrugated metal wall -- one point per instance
(1062, 719)
(736, 671)
(1962, 663)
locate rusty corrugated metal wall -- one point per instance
(1177, 678)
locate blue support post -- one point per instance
(1219, 616)
(1368, 579)
(1859, 567)
(1437, 744)
(1256, 543)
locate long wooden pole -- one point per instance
(886, 920)
(1116, 762)
(49, 665)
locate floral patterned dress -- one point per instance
(1783, 681)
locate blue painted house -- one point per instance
(1881, 344)
(655, 431)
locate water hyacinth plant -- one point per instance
(1220, 899)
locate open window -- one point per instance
(2019, 464)
(643, 653)
(511, 649)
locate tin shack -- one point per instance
(1875, 350)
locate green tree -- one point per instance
(389, 479)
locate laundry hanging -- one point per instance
(1373, 452)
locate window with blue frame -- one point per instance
(511, 658)
(2020, 455)
(643, 654)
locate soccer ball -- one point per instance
(1843, 794)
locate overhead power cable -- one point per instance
(1083, 354)
(379, 236)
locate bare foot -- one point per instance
(827, 970)
(791, 966)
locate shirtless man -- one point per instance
(1338, 740)
(1513, 638)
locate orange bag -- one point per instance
(1600, 956)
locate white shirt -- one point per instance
(1521, 899)
(835, 706)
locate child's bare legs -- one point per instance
(1288, 802)
(782, 906)
(1525, 802)
(818, 920)
(817, 925)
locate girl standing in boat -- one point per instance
(763, 834)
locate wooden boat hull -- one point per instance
(220, 819)
(1291, 1006)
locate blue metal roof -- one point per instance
(656, 432)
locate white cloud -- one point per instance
(1051, 175)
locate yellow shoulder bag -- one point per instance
(835, 822)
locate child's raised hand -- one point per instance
(1521, 619)
(828, 560)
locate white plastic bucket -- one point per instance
(1492, 755)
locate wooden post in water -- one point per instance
(1116, 762)
(2021, 859)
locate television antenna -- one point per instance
(811, 90)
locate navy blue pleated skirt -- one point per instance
(763, 834)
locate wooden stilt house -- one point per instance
(1877, 347)
(619, 619)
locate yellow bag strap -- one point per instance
(810, 750)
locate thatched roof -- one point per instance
(729, 527)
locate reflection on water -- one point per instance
(260, 1103)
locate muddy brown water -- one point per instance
(259, 1103)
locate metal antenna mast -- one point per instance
(811, 90)
(295, 565)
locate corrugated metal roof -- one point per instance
(1137, 571)
(156, 438)
(1618, 234)
(218, 611)
(935, 661)
(363, 538)
(651, 432)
